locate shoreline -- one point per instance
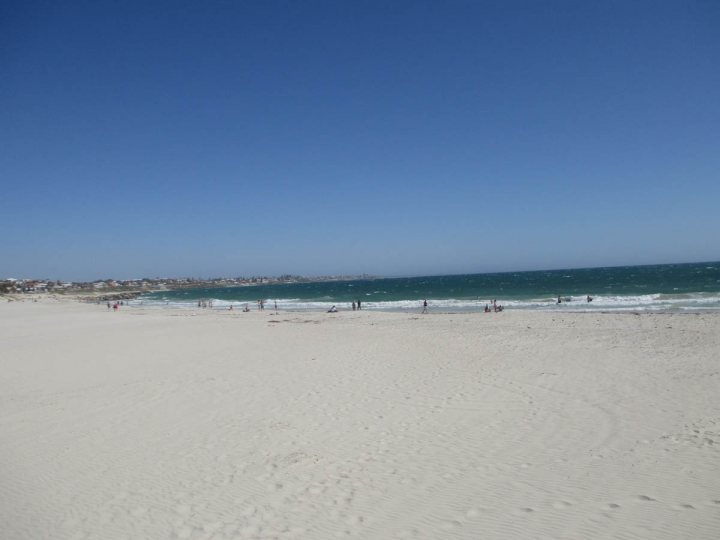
(100, 298)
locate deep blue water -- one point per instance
(693, 286)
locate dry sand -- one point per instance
(227, 425)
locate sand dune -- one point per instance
(226, 425)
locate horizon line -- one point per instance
(358, 277)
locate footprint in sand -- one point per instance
(213, 526)
(70, 523)
(182, 509)
(561, 505)
(645, 498)
(248, 511)
(121, 495)
(527, 510)
(472, 513)
(613, 506)
(250, 530)
(405, 534)
(354, 520)
(183, 532)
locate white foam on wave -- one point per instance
(647, 302)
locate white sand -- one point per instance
(517, 425)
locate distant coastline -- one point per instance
(109, 289)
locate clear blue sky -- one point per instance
(393, 138)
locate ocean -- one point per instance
(665, 287)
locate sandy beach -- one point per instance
(154, 424)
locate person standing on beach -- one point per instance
(354, 305)
(424, 306)
(358, 304)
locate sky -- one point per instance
(144, 139)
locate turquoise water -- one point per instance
(675, 287)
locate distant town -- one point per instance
(133, 287)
